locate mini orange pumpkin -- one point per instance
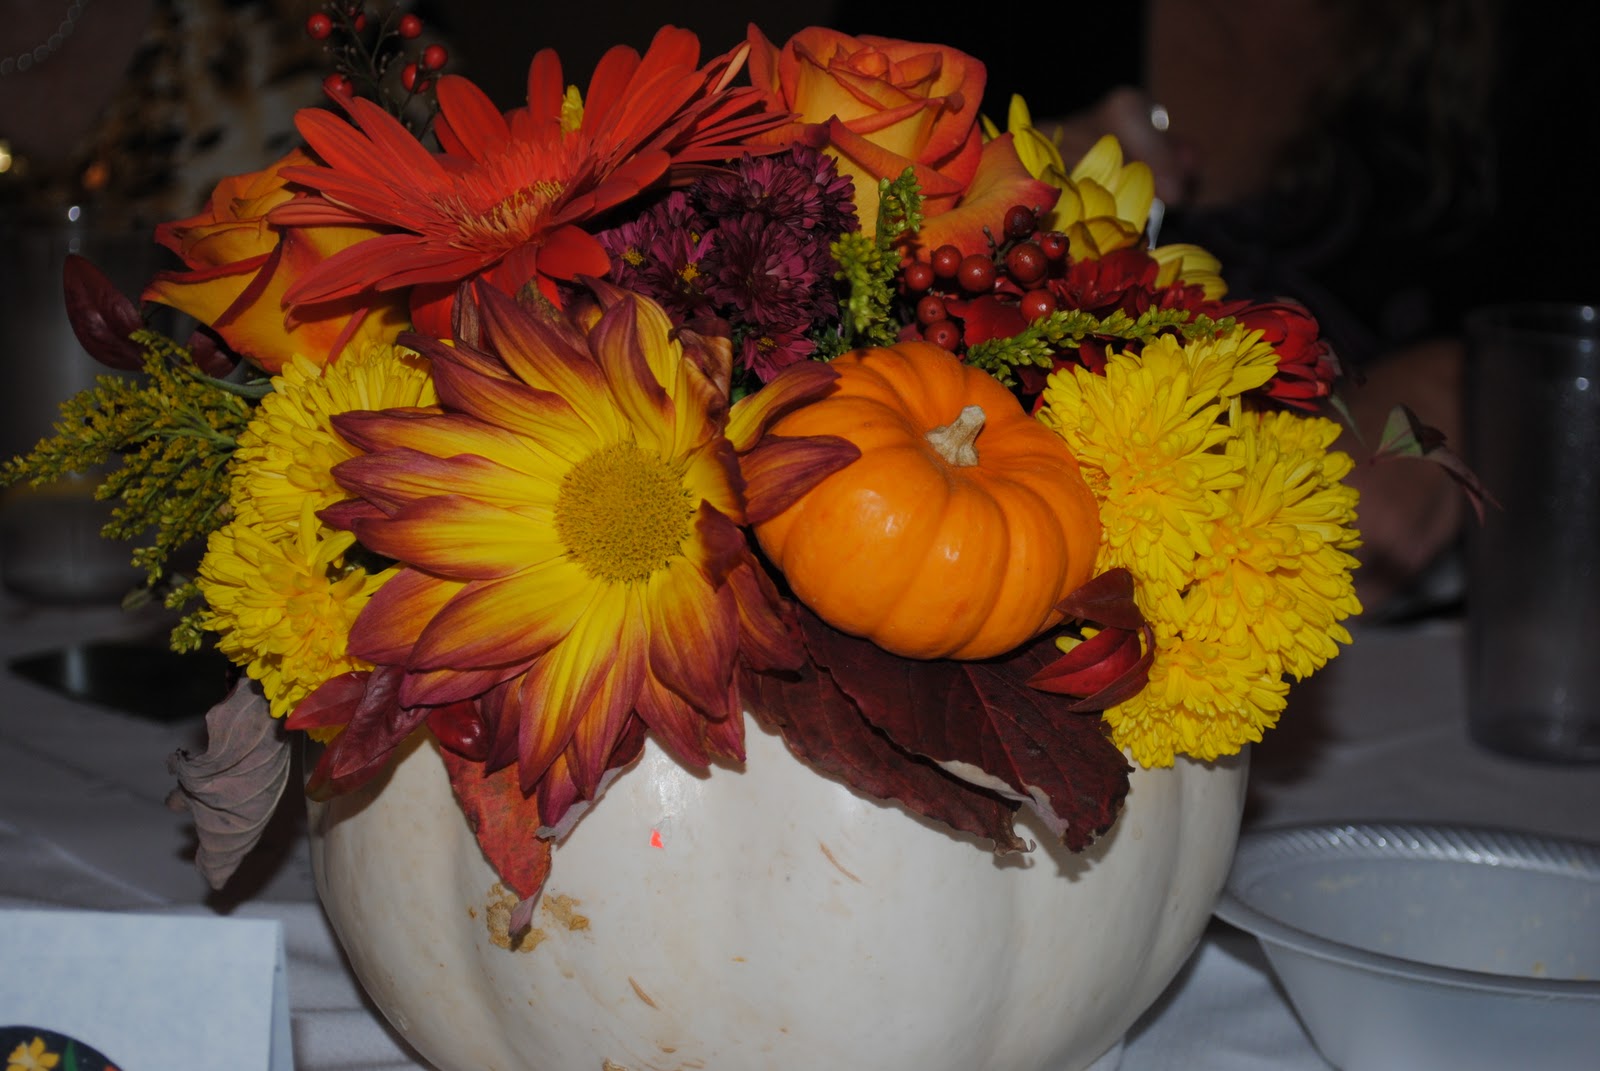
(959, 528)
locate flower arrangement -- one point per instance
(783, 383)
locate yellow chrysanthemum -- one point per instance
(1233, 523)
(1205, 698)
(1280, 579)
(1145, 435)
(285, 456)
(283, 608)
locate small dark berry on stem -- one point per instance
(319, 26)
(918, 276)
(339, 87)
(1026, 263)
(943, 333)
(408, 77)
(434, 57)
(1054, 245)
(1036, 304)
(410, 27)
(946, 261)
(977, 274)
(930, 309)
(1020, 221)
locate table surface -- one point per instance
(1378, 735)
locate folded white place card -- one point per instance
(144, 991)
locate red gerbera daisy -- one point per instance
(505, 198)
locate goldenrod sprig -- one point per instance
(1039, 344)
(868, 266)
(170, 433)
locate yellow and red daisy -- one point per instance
(569, 534)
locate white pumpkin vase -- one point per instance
(770, 919)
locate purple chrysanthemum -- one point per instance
(800, 187)
(661, 255)
(764, 272)
(766, 353)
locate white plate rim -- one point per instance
(1459, 843)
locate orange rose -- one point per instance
(878, 106)
(241, 265)
(883, 104)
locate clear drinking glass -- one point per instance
(1533, 595)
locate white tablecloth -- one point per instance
(1377, 735)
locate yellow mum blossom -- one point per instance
(1234, 524)
(285, 456)
(282, 608)
(1146, 435)
(1280, 579)
(1205, 698)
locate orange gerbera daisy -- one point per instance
(505, 198)
(568, 529)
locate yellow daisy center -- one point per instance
(623, 513)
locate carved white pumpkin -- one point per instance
(770, 920)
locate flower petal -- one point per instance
(461, 538)
(496, 622)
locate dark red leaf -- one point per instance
(1107, 600)
(505, 822)
(376, 725)
(981, 721)
(825, 730)
(101, 315)
(211, 355)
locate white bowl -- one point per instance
(1408, 946)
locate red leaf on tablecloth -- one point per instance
(824, 729)
(982, 722)
(505, 821)
(233, 787)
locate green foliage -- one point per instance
(1039, 344)
(166, 436)
(868, 267)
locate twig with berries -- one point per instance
(364, 51)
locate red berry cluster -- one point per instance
(1017, 271)
(364, 50)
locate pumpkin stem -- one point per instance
(954, 441)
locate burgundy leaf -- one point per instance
(375, 725)
(824, 729)
(102, 316)
(1107, 599)
(982, 722)
(210, 354)
(233, 787)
